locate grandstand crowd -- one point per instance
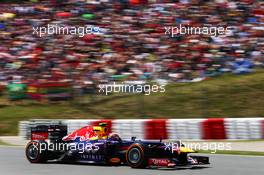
(133, 45)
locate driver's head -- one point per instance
(114, 136)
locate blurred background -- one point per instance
(57, 76)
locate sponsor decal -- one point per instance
(92, 157)
(114, 160)
(159, 162)
(39, 135)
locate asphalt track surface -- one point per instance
(13, 162)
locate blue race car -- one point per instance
(93, 144)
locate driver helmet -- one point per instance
(101, 131)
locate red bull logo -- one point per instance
(83, 134)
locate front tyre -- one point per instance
(136, 156)
(34, 153)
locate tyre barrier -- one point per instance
(173, 129)
(154, 129)
(24, 129)
(184, 129)
(129, 128)
(214, 128)
(244, 128)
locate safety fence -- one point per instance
(174, 129)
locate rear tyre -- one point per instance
(136, 156)
(33, 152)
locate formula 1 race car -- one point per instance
(93, 144)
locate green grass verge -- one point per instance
(250, 153)
(223, 96)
